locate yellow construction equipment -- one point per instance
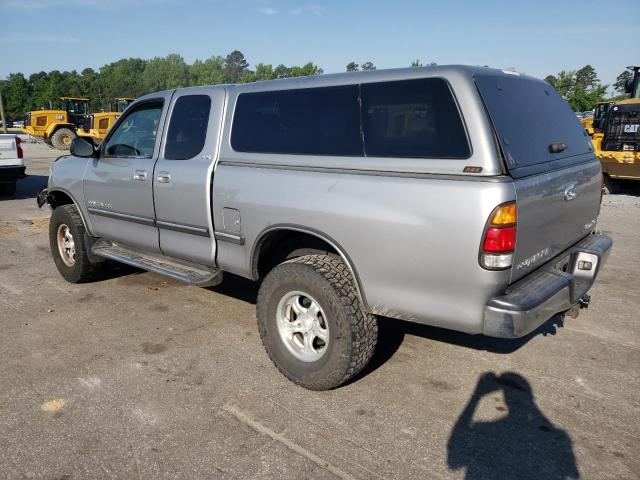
(58, 127)
(615, 134)
(97, 125)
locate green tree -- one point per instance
(368, 66)
(209, 72)
(416, 63)
(352, 67)
(234, 66)
(551, 80)
(162, 73)
(124, 78)
(620, 84)
(16, 93)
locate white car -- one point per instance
(11, 163)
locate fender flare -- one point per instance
(262, 236)
(56, 126)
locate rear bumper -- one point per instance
(553, 288)
(12, 173)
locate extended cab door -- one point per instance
(184, 173)
(118, 186)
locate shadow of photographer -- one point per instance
(524, 444)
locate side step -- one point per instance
(188, 272)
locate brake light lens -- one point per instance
(499, 241)
(19, 148)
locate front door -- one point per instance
(184, 172)
(118, 186)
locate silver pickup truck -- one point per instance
(460, 197)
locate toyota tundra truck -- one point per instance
(433, 195)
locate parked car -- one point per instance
(12, 166)
(419, 194)
(18, 124)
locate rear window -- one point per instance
(529, 116)
(412, 119)
(187, 127)
(312, 121)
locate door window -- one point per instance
(188, 127)
(135, 136)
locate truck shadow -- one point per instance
(29, 187)
(392, 332)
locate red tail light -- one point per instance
(499, 241)
(19, 148)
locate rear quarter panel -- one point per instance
(413, 241)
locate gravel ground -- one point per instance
(137, 376)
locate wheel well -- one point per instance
(57, 198)
(281, 245)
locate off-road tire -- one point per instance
(82, 270)
(8, 189)
(57, 138)
(352, 331)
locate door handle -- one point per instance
(163, 177)
(140, 175)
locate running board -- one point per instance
(182, 270)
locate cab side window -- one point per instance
(136, 135)
(187, 127)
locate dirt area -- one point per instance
(137, 376)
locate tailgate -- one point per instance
(8, 150)
(546, 150)
(555, 210)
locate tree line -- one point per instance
(133, 77)
(582, 88)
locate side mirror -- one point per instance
(82, 148)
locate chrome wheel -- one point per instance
(66, 245)
(302, 326)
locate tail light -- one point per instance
(19, 148)
(499, 239)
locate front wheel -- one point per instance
(66, 239)
(62, 138)
(312, 322)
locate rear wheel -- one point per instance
(312, 322)
(66, 239)
(62, 138)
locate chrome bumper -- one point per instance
(553, 288)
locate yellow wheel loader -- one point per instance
(58, 127)
(97, 125)
(616, 136)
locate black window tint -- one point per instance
(187, 127)
(314, 121)
(136, 134)
(529, 116)
(412, 119)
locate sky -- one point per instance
(534, 37)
